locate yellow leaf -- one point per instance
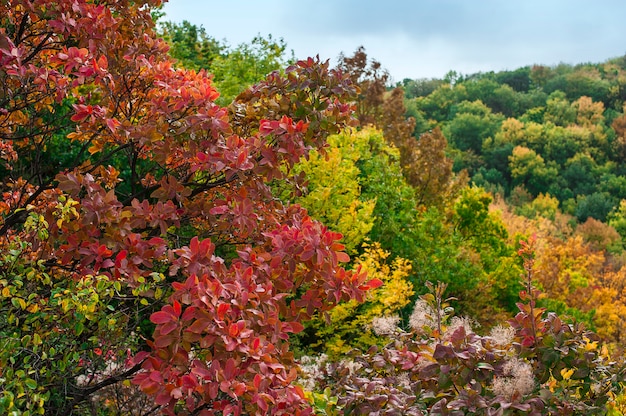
(74, 135)
(566, 374)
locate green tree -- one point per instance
(190, 44)
(586, 81)
(420, 87)
(382, 180)
(246, 64)
(518, 79)
(543, 205)
(619, 144)
(581, 174)
(617, 219)
(597, 205)
(422, 124)
(471, 124)
(559, 110)
(437, 105)
(500, 98)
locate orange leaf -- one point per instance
(342, 257)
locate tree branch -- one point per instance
(80, 394)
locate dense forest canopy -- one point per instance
(188, 227)
(541, 130)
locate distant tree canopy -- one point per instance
(555, 130)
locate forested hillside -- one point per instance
(536, 130)
(547, 143)
(190, 227)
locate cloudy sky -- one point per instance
(423, 38)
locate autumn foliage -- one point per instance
(140, 238)
(163, 253)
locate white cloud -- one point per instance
(424, 38)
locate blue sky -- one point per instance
(424, 38)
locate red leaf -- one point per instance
(164, 341)
(103, 251)
(528, 341)
(261, 403)
(82, 112)
(189, 314)
(102, 62)
(161, 317)
(213, 390)
(374, 283)
(294, 327)
(167, 328)
(189, 382)
(149, 387)
(199, 326)
(140, 356)
(241, 158)
(233, 330)
(177, 308)
(120, 256)
(163, 398)
(240, 388)
(222, 309)
(112, 124)
(218, 210)
(176, 393)
(230, 369)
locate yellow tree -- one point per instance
(609, 301)
(333, 190)
(566, 269)
(349, 324)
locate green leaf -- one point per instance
(26, 340)
(485, 366)
(30, 383)
(78, 328)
